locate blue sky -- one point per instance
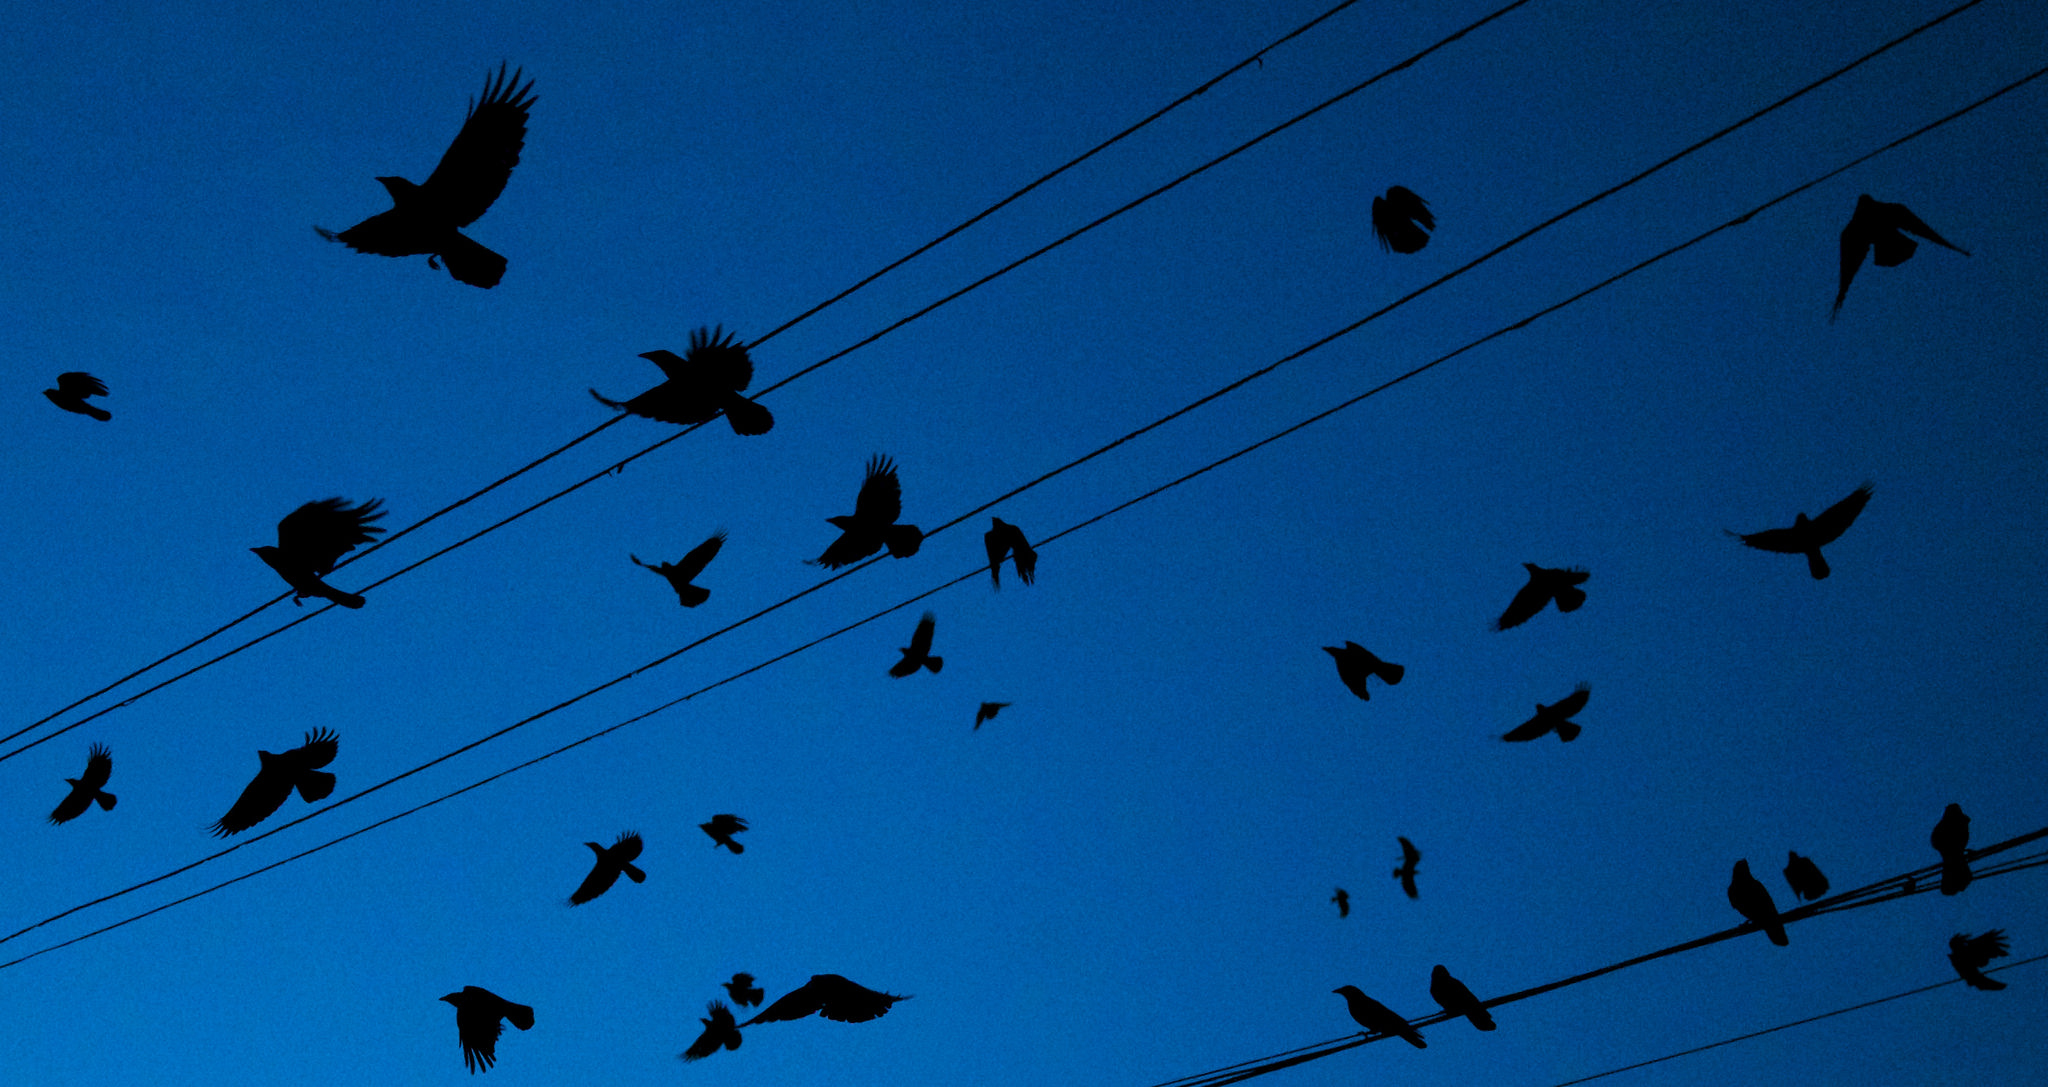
(1123, 879)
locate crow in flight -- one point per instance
(1971, 954)
(1004, 539)
(722, 828)
(1877, 225)
(719, 1030)
(987, 712)
(311, 538)
(1355, 663)
(831, 996)
(680, 574)
(1343, 900)
(873, 522)
(1406, 873)
(1804, 877)
(1555, 716)
(1544, 586)
(611, 862)
(1401, 220)
(706, 380)
(428, 218)
(1453, 997)
(1951, 839)
(918, 654)
(91, 787)
(298, 769)
(71, 391)
(478, 1023)
(743, 990)
(1807, 537)
(1377, 1017)
(1752, 900)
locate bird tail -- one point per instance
(1816, 565)
(106, 801)
(635, 874)
(315, 785)
(736, 847)
(903, 540)
(520, 1015)
(1481, 1019)
(747, 417)
(693, 595)
(1390, 672)
(1955, 875)
(1776, 932)
(1569, 599)
(933, 664)
(472, 263)
(1567, 731)
(346, 600)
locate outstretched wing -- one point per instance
(80, 383)
(319, 749)
(264, 794)
(318, 533)
(1527, 602)
(921, 638)
(1409, 854)
(1978, 951)
(1532, 729)
(847, 1002)
(795, 1004)
(881, 495)
(1837, 518)
(476, 166)
(1908, 221)
(1572, 703)
(699, 557)
(99, 766)
(1784, 541)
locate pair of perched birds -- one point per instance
(1449, 993)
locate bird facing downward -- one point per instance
(1355, 664)
(1545, 585)
(1554, 717)
(612, 862)
(1951, 839)
(1406, 873)
(297, 769)
(872, 525)
(1377, 1017)
(1806, 537)
(918, 654)
(680, 574)
(72, 389)
(1343, 900)
(1876, 225)
(1971, 954)
(479, 1020)
(830, 996)
(89, 788)
(719, 1031)
(721, 828)
(1401, 220)
(312, 538)
(704, 381)
(1752, 900)
(1005, 540)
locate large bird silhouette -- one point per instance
(479, 1020)
(1453, 997)
(279, 774)
(427, 218)
(743, 990)
(88, 788)
(1807, 537)
(1971, 954)
(719, 1032)
(1805, 878)
(1406, 873)
(706, 380)
(1377, 1017)
(1401, 220)
(312, 538)
(1355, 664)
(612, 862)
(918, 654)
(1555, 717)
(680, 574)
(830, 996)
(872, 525)
(1752, 900)
(1951, 839)
(721, 828)
(1877, 226)
(1005, 540)
(1545, 585)
(72, 389)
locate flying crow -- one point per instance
(298, 769)
(706, 380)
(311, 538)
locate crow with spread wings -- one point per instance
(87, 790)
(1806, 536)
(313, 537)
(680, 574)
(872, 525)
(703, 381)
(831, 996)
(298, 769)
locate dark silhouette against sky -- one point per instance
(480, 1018)
(1971, 954)
(987, 712)
(743, 990)
(88, 788)
(1951, 839)
(918, 654)
(1005, 540)
(1879, 230)
(1555, 717)
(1805, 878)
(682, 572)
(872, 524)
(721, 828)
(831, 997)
(705, 381)
(1807, 537)
(1452, 996)
(72, 389)
(612, 861)
(1377, 1017)
(1355, 664)
(720, 1032)
(1752, 900)
(1401, 220)
(277, 776)
(1343, 900)
(312, 538)
(1544, 586)
(1406, 873)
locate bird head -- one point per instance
(1742, 869)
(454, 998)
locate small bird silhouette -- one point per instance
(1005, 540)
(1752, 900)
(1355, 663)
(987, 712)
(1544, 585)
(1401, 220)
(88, 788)
(722, 828)
(1808, 537)
(312, 538)
(743, 990)
(918, 654)
(1406, 873)
(1805, 878)
(1970, 955)
(1878, 225)
(1554, 717)
(479, 1016)
(1453, 997)
(279, 774)
(872, 525)
(832, 997)
(1343, 900)
(71, 391)
(719, 1031)
(703, 382)
(1951, 839)
(1377, 1017)
(612, 861)
(680, 574)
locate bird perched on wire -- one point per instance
(830, 996)
(612, 862)
(1807, 537)
(72, 389)
(1453, 997)
(427, 218)
(89, 788)
(722, 828)
(719, 1032)
(1804, 877)
(278, 775)
(680, 574)
(1355, 664)
(1005, 540)
(1545, 585)
(1554, 717)
(987, 712)
(918, 654)
(1971, 954)
(1876, 228)
(480, 1016)
(706, 380)
(1343, 900)
(312, 538)
(872, 524)
(743, 990)
(1406, 873)
(1951, 839)
(1377, 1017)
(1401, 220)
(1752, 900)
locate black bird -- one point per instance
(479, 1015)
(1401, 220)
(72, 389)
(612, 861)
(428, 218)
(87, 788)
(1951, 839)
(1878, 225)
(1752, 900)
(722, 828)
(1355, 663)
(680, 574)
(918, 654)
(743, 990)
(831, 996)
(298, 769)
(872, 525)
(719, 1030)
(1804, 878)
(987, 712)
(1343, 900)
(1554, 717)
(706, 380)
(311, 538)
(1453, 997)
(1544, 586)
(1377, 1017)
(1406, 873)
(1971, 954)
(1005, 540)
(1807, 537)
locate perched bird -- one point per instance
(1005, 540)
(1343, 900)
(722, 828)
(872, 525)
(831, 996)
(298, 769)
(719, 1030)
(680, 574)
(1752, 900)
(479, 1015)
(1555, 716)
(88, 788)
(1807, 537)
(72, 389)
(743, 990)
(1453, 997)
(1355, 663)
(612, 861)
(1544, 586)
(1971, 954)
(1401, 220)
(918, 654)
(428, 218)
(1377, 1017)
(706, 380)
(987, 712)
(311, 538)
(1951, 839)
(1804, 878)
(1406, 873)
(1878, 225)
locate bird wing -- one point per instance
(720, 360)
(80, 383)
(795, 1004)
(845, 1001)
(1532, 729)
(719, 1030)
(921, 638)
(319, 749)
(1855, 243)
(386, 234)
(1527, 602)
(1784, 541)
(627, 848)
(700, 556)
(99, 766)
(479, 1036)
(1837, 518)
(881, 495)
(318, 533)
(73, 805)
(1906, 220)
(1409, 204)
(1573, 702)
(264, 794)
(1409, 854)
(997, 544)
(1020, 551)
(1978, 951)
(602, 875)
(477, 165)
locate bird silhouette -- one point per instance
(1554, 717)
(1355, 663)
(1971, 954)
(427, 218)
(1876, 225)
(1951, 839)
(1752, 900)
(703, 382)
(1808, 537)
(1005, 540)
(1544, 585)
(72, 389)
(680, 574)
(88, 788)
(612, 861)
(1343, 900)
(1406, 873)
(987, 712)
(479, 1020)
(918, 654)
(312, 538)
(1805, 878)
(1453, 997)
(1401, 220)
(719, 1031)
(743, 990)
(872, 524)
(722, 828)
(1377, 1017)
(832, 997)
(279, 774)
